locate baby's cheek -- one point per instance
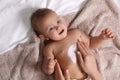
(63, 24)
(54, 36)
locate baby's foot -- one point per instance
(107, 34)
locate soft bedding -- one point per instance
(15, 18)
(24, 61)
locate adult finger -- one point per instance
(81, 49)
(80, 59)
(58, 72)
(85, 48)
(67, 75)
(86, 45)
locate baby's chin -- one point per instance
(64, 36)
(58, 39)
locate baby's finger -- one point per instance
(51, 63)
(52, 60)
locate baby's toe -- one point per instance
(109, 33)
(103, 31)
(106, 30)
(111, 36)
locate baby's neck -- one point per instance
(47, 42)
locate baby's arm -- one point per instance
(97, 41)
(48, 61)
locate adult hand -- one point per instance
(87, 61)
(59, 74)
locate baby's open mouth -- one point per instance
(61, 31)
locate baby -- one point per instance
(62, 46)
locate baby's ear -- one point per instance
(42, 37)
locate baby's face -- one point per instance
(53, 27)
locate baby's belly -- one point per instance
(69, 62)
(75, 71)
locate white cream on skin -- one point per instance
(71, 52)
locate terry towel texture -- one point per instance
(23, 62)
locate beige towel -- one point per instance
(23, 62)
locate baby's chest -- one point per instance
(71, 52)
(67, 54)
(66, 51)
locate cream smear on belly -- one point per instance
(71, 52)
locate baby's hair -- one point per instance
(37, 15)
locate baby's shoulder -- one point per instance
(75, 31)
(48, 47)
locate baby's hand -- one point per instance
(51, 63)
(48, 66)
(107, 34)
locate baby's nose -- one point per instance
(57, 27)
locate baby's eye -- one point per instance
(52, 28)
(59, 21)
